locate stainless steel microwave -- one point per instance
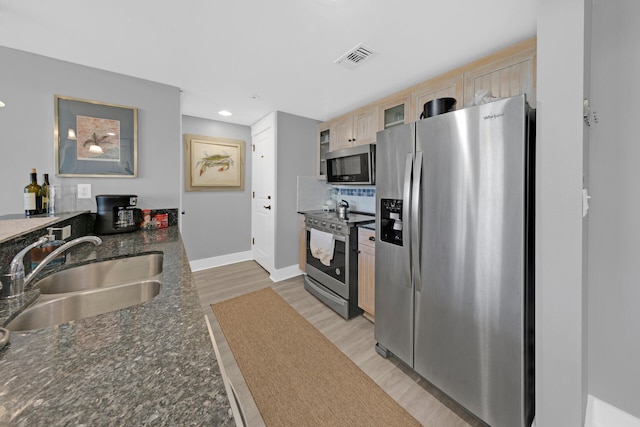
(355, 165)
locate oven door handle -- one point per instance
(337, 237)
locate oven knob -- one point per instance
(332, 226)
(323, 223)
(339, 228)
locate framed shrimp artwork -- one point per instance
(213, 164)
(95, 139)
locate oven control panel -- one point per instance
(327, 225)
(329, 221)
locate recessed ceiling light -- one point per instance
(224, 113)
(2, 104)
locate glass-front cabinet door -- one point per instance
(394, 112)
(323, 149)
(394, 116)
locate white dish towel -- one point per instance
(322, 245)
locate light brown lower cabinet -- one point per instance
(367, 271)
(302, 243)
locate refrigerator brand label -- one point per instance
(493, 116)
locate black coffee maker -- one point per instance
(117, 213)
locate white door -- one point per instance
(262, 192)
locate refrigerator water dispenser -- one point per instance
(391, 221)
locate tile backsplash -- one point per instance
(313, 194)
(360, 199)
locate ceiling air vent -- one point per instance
(355, 57)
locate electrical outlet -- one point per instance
(66, 232)
(84, 191)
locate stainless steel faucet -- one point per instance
(15, 281)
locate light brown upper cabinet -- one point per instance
(511, 75)
(394, 111)
(324, 137)
(508, 72)
(365, 121)
(356, 128)
(341, 133)
(447, 86)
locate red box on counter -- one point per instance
(152, 221)
(162, 220)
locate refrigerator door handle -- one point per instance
(406, 215)
(415, 221)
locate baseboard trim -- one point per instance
(603, 414)
(219, 261)
(280, 274)
(276, 275)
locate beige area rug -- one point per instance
(296, 375)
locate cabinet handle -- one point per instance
(267, 207)
(372, 238)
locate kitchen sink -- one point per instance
(50, 310)
(91, 289)
(103, 273)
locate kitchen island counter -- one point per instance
(149, 364)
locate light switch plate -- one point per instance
(84, 191)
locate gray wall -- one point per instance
(217, 223)
(296, 153)
(28, 84)
(614, 225)
(560, 305)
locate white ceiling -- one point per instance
(223, 53)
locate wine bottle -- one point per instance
(32, 196)
(45, 194)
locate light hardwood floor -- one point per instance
(353, 337)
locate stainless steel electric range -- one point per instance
(332, 259)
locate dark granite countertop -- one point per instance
(150, 364)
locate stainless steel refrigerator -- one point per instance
(454, 255)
